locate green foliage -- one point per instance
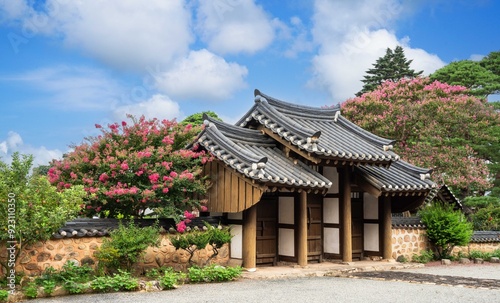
(197, 118)
(486, 212)
(492, 62)
(425, 256)
(195, 240)
(445, 228)
(74, 287)
(479, 80)
(48, 287)
(4, 295)
(121, 281)
(393, 66)
(435, 125)
(31, 290)
(127, 245)
(171, 279)
(476, 254)
(72, 272)
(40, 210)
(213, 273)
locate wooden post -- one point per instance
(302, 230)
(250, 238)
(387, 229)
(346, 216)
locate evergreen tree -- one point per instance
(392, 66)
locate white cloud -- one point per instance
(234, 26)
(203, 75)
(72, 88)
(125, 34)
(158, 106)
(352, 35)
(14, 143)
(476, 57)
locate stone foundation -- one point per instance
(407, 242)
(34, 259)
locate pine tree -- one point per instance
(392, 66)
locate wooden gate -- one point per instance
(267, 222)
(314, 228)
(357, 225)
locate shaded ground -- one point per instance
(428, 279)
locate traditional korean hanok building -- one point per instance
(301, 184)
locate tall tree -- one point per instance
(492, 62)
(480, 80)
(436, 125)
(197, 118)
(392, 66)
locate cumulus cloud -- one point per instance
(234, 26)
(71, 88)
(352, 35)
(14, 143)
(125, 34)
(203, 75)
(158, 106)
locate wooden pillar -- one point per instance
(250, 238)
(302, 230)
(387, 228)
(346, 216)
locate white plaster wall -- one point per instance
(331, 240)
(331, 174)
(235, 216)
(286, 243)
(237, 241)
(371, 237)
(331, 210)
(370, 206)
(286, 210)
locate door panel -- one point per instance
(267, 221)
(314, 228)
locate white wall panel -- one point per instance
(370, 206)
(371, 235)
(331, 210)
(331, 240)
(286, 243)
(237, 241)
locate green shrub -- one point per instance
(446, 228)
(74, 287)
(127, 245)
(213, 273)
(171, 279)
(425, 256)
(4, 295)
(121, 281)
(31, 290)
(475, 254)
(48, 287)
(72, 272)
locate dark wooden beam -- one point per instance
(386, 228)
(346, 215)
(302, 230)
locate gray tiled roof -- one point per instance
(256, 156)
(446, 195)
(323, 132)
(401, 177)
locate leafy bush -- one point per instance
(213, 273)
(4, 295)
(446, 228)
(72, 272)
(74, 287)
(48, 287)
(118, 282)
(475, 254)
(127, 244)
(486, 214)
(31, 290)
(171, 279)
(425, 257)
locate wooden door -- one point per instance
(267, 222)
(357, 225)
(314, 228)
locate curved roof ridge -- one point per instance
(366, 134)
(415, 170)
(297, 109)
(229, 146)
(239, 133)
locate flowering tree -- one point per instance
(130, 168)
(436, 125)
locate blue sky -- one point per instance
(66, 65)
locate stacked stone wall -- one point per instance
(408, 241)
(35, 258)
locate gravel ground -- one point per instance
(317, 289)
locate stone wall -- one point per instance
(34, 259)
(408, 241)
